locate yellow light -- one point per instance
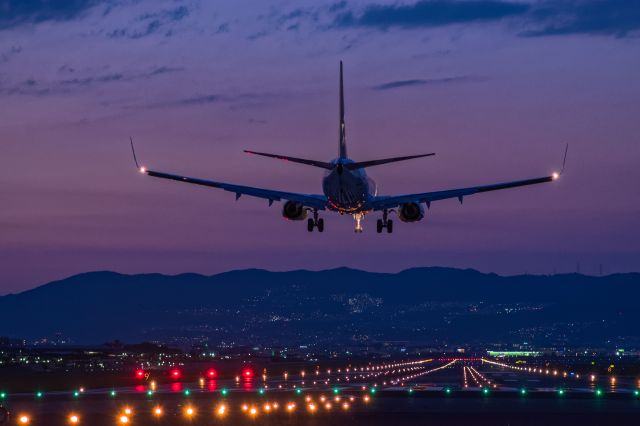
(189, 411)
(222, 410)
(327, 406)
(336, 399)
(308, 399)
(124, 419)
(74, 419)
(275, 405)
(345, 406)
(24, 420)
(253, 411)
(366, 398)
(322, 398)
(291, 406)
(267, 407)
(312, 407)
(157, 411)
(244, 407)
(593, 378)
(128, 411)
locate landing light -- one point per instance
(555, 176)
(143, 170)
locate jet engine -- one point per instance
(410, 212)
(294, 211)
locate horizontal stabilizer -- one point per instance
(363, 164)
(314, 163)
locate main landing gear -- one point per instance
(315, 222)
(385, 222)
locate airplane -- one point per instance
(347, 189)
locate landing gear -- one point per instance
(384, 223)
(315, 222)
(358, 217)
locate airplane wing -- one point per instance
(308, 200)
(387, 202)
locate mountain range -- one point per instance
(331, 308)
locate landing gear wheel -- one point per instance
(310, 225)
(320, 225)
(389, 226)
(379, 226)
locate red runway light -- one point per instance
(247, 373)
(139, 374)
(175, 374)
(212, 373)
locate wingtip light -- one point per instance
(555, 176)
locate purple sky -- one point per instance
(494, 88)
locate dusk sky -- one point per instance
(495, 88)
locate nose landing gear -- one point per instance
(315, 223)
(385, 222)
(358, 217)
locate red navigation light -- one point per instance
(175, 374)
(247, 373)
(212, 373)
(139, 374)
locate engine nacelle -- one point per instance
(411, 212)
(294, 211)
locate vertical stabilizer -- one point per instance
(343, 141)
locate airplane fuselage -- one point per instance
(348, 191)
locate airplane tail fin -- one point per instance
(314, 163)
(363, 164)
(343, 141)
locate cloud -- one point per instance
(41, 88)
(17, 12)
(430, 13)
(398, 84)
(597, 17)
(8, 54)
(235, 101)
(151, 23)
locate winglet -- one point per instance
(135, 159)
(556, 175)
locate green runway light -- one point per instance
(3, 395)
(635, 392)
(112, 393)
(298, 391)
(39, 394)
(410, 390)
(372, 390)
(336, 391)
(598, 392)
(149, 393)
(448, 391)
(187, 392)
(224, 392)
(76, 394)
(485, 391)
(261, 391)
(523, 391)
(560, 392)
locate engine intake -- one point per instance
(294, 211)
(411, 212)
